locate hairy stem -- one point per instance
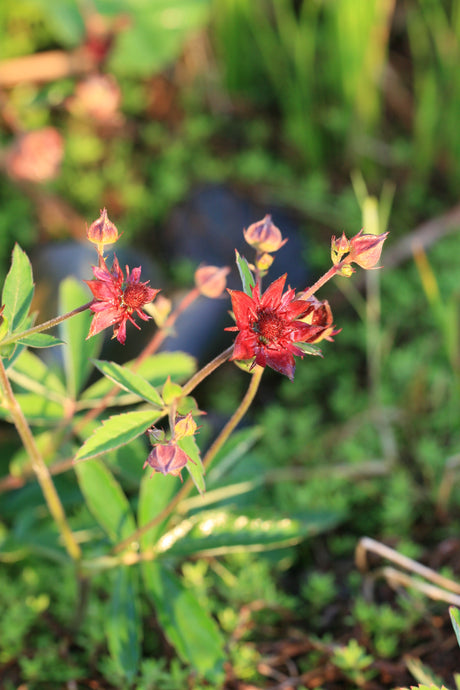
(320, 282)
(41, 470)
(206, 370)
(45, 325)
(207, 460)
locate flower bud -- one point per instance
(184, 427)
(365, 250)
(319, 313)
(102, 232)
(339, 247)
(264, 262)
(167, 458)
(264, 235)
(35, 156)
(346, 271)
(211, 281)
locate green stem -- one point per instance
(41, 470)
(45, 326)
(208, 458)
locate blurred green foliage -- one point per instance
(285, 99)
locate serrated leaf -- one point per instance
(454, 613)
(105, 499)
(179, 365)
(187, 625)
(129, 381)
(18, 289)
(79, 351)
(219, 531)
(247, 279)
(195, 468)
(155, 493)
(124, 630)
(40, 340)
(116, 431)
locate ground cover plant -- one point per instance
(322, 547)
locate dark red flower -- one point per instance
(269, 327)
(116, 299)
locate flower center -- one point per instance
(136, 295)
(269, 327)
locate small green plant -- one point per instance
(354, 661)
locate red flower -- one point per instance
(269, 327)
(116, 298)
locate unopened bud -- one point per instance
(184, 427)
(102, 232)
(167, 458)
(365, 250)
(339, 247)
(264, 262)
(264, 235)
(319, 313)
(346, 271)
(211, 281)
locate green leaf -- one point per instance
(219, 531)
(454, 613)
(117, 431)
(236, 447)
(129, 381)
(79, 351)
(124, 631)
(247, 279)
(36, 409)
(179, 365)
(18, 289)
(156, 35)
(187, 625)
(309, 349)
(40, 340)
(29, 369)
(105, 499)
(171, 391)
(195, 468)
(155, 493)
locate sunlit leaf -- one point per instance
(116, 431)
(18, 289)
(219, 531)
(454, 613)
(247, 279)
(129, 380)
(36, 409)
(179, 365)
(40, 340)
(195, 466)
(29, 370)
